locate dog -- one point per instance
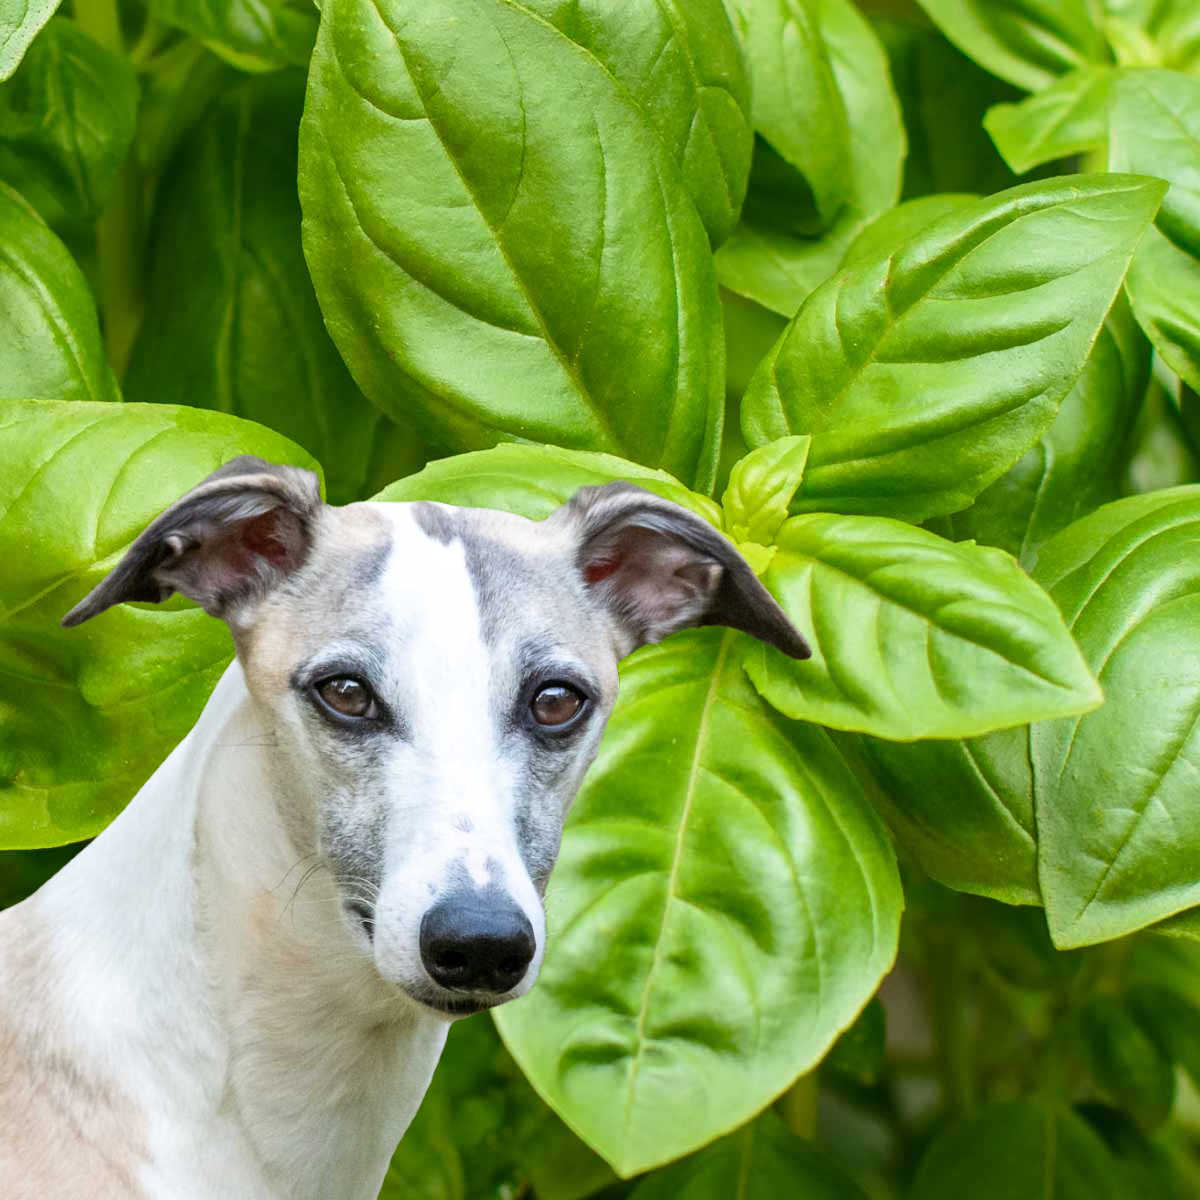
(241, 988)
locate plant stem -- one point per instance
(798, 1106)
(118, 231)
(949, 1001)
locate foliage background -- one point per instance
(906, 299)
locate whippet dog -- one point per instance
(240, 990)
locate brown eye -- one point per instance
(347, 697)
(556, 704)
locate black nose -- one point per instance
(477, 941)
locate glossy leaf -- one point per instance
(1068, 117)
(1079, 462)
(1155, 122)
(913, 636)
(823, 100)
(537, 270)
(1017, 1151)
(889, 232)
(761, 486)
(246, 336)
(962, 809)
(760, 1161)
(724, 905)
(1027, 42)
(1115, 790)
(66, 123)
(86, 715)
(681, 62)
(51, 345)
(20, 21)
(925, 375)
(254, 35)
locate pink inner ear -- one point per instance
(262, 538)
(596, 571)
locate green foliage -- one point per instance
(771, 260)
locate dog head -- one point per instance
(437, 680)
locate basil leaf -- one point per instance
(51, 345)
(1068, 117)
(66, 122)
(681, 62)
(1130, 1069)
(86, 715)
(20, 21)
(253, 35)
(962, 809)
(890, 231)
(1027, 42)
(724, 905)
(925, 375)
(1115, 791)
(823, 100)
(1079, 462)
(760, 1161)
(1023, 1148)
(246, 336)
(484, 292)
(913, 636)
(1155, 121)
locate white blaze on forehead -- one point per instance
(444, 665)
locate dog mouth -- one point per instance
(447, 1004)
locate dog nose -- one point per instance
(476, 942)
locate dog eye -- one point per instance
(348, 697)
(556, 704)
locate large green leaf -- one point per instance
(892, 229)
(20, 21)
(537, 269)
(1017, 1151)
(51, 344)
(1027, 42)
(1118, 833)
(254, 35)
(245, 335)
(925, 375)
(963, 809)
(680, 60)
(86, 715)
(913, 636)
(66, 122)
(1079, 463)
(724, 905)
(823, 100)
(1155, 123)
(1068, 117)
(760, 1161)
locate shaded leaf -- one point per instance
(245, 335)
(913, 636)
(66, 123)
(925, 375)
(1130, 1069)
(760, 1161)
(1155, 121)
(1115, 790)
(51, 346)
(86, 715)
(724, 905)
(1027, 42)
(253, 35)
(1016, 1151)
(538, 270)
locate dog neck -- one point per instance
(201, 969)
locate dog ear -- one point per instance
(230, 539)
(658, 567)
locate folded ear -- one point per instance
(229, 540)
(658, 567)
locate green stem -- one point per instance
(798, 1106)
(949, 1002)
(118, 231)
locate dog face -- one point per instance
(437, 680)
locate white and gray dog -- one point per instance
(417, 693)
